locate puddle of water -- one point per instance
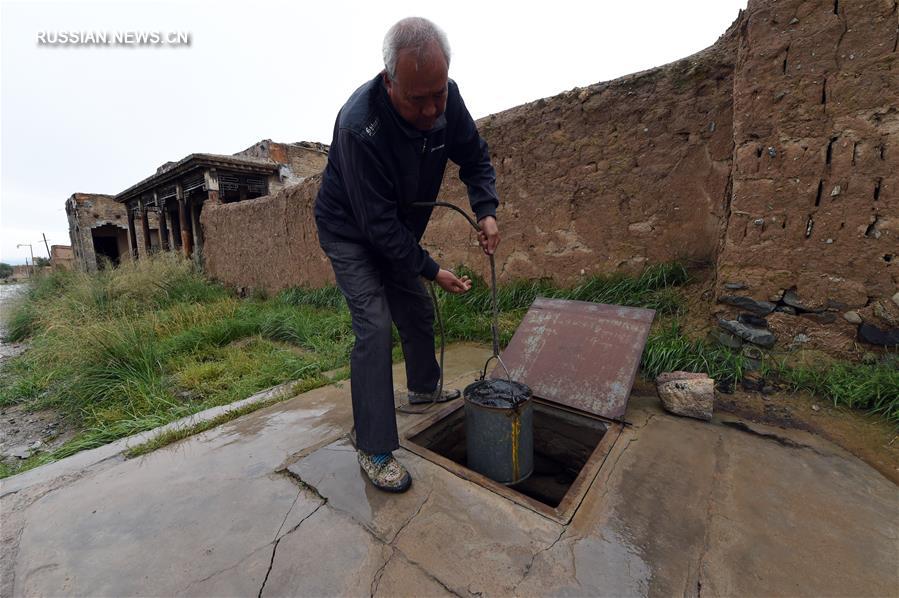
(609, 561)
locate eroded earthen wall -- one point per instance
(816, 163)
(62, 257)
(300, 160)
(268, 243)
(605, 178)
(89, 211)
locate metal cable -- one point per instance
(407, 408)
(494, 326)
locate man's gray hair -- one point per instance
(412, 32)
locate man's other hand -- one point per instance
(451, 283)
(489, 235)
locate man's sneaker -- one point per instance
(385, 472)
(419, 398)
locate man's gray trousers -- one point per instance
(377, 295)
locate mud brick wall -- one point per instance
(267, 243)
(605, 178)
(153, 220)
(62, 257)
(303, 160)
(816, 160)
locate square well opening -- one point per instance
(569, 449)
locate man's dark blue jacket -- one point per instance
(379, 165)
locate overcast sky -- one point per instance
(98, 119)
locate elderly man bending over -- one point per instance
(391, 143)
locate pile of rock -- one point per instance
(883, 311)
(22, 451)
(751, 327)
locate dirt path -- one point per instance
(8, 294)
(24, 433)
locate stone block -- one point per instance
(687, 393)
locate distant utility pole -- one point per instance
(32, 254)
(49, 257)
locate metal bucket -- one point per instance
(499, 430)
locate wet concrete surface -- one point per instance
(274, 504)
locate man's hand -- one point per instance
(489, 235)
(451, 283)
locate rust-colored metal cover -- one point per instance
(579, 354)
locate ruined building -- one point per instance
(62, 257)
(162, 212)
(98, 228)
(178, 191)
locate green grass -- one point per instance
(170, 436)
(129, 349)
(668, 349)
(468, 316)
(132, 348)
(869, 387)
(872, 387)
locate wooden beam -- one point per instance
(145, 226)
(183, 219)
(132, 233)
(163, 223)
(212, 185)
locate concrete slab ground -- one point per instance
(274, 504)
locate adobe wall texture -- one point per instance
(62, 257)
(90, 212)
(607, 178)
(714, 159)
(300, 160)
(85, 212)
(816, 164)
(268, 243)
(599, 179)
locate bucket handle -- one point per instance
(508, 375)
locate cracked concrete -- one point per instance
(401, 578)
(278, 539)
(274, 504)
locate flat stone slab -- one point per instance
(757, 336)
(334, 472)
(274, 503)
